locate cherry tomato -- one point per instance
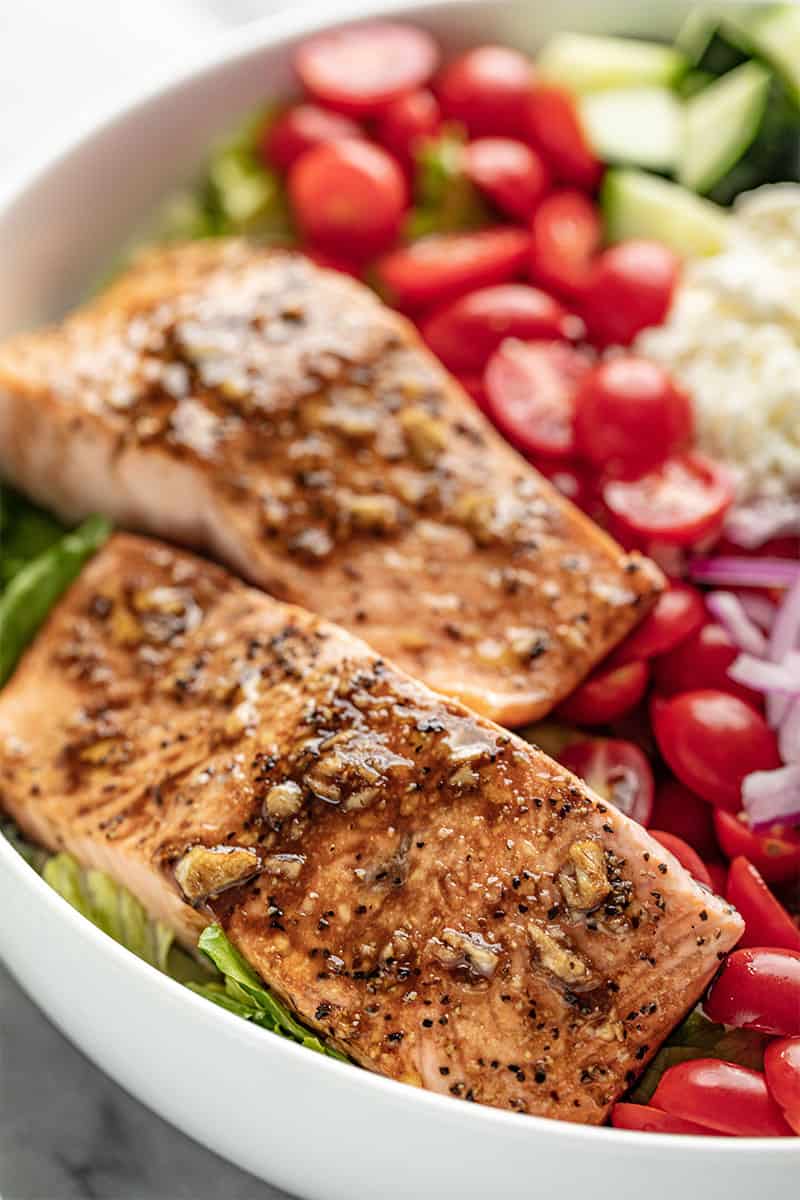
(486, 89)
(333, 262)
(678, 613)
(782, 1069)
(680, 812)
(531, 392)
(407, 122)
(473, 386)
(630, 415)
(712, 740)
(775, 853)
(685, 855)
(758, 988)
(348, 196)
(718, 870)
(646, 1119)
(465, 333)
(702, 661)
(554, 127)
(511, 174)
(617, 771)
(608, 693)
(568, 479)
(300, 128)
(631, 287)
(721, 1095)
(767, 923)
(358, 70)
(567, 231)
(679, 502)
(447, 265)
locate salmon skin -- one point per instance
(278, 417)
(431, 893)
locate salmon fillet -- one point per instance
(431, 893)
(245, 403)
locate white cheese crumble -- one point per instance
(732, 339)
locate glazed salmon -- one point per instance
(433, 894)
(278, 417)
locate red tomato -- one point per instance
(333, 262)
(782, 1069)
(718, 870)
(631, 287)
(679, 502)
(702, 661)
(630, 415)
(646, 1119)
(567, 231)
(721, 1095)
(360, 69)
(767, 921)
(677, 614)
(617, 771)
(473, 386)
(712, 740)
(531, 392)
(447, 265)
(680, 812)
(555, 128)
(569, 480)
(775, 853)
(486, 89)
(300, 128)
(403, 125)
(348, 196)
(608, 693)
(510, 173)
(758, 989)
(685, 855)
(466, 332)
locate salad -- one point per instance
(579, 241)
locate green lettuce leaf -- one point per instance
(445, 200)
(698, 1037)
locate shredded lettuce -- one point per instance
(698, 1037)
(445, 200)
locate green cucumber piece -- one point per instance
(722, 122)
(584, 62)
(638, 205)
(642, 126)
(773, 33)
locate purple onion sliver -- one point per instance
(759, 609)
(761, 675)
(751, 525)
(770, 796)
(732, 571)
(728, 610)
(789, 734)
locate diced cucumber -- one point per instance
(584, 63)
(722, 122)
(638, 205)
(642, 126)
(773, 33)
(695, 34)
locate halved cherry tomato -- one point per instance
(531, 391)
(685, 855)
(348, 196)
(554, 127)
(568, 479)
(718, 870)
(567, 231)
(631, 287)
(646, 1119)
(447, 265)
(511, 174)
(712, 740)
(404, 124)
(630, 415)
(702, 661)
(466, 332)
(678, 613)
(608, 693)
(680, 502)
(617, 771)
(474, 387)
(301, 127)
(782, 1069)
(767, 923)
(682, 813)
(486, 89)
(721, 1095)
(758, 988)
(775, 852)
(360, 69)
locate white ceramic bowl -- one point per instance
(316, 1127)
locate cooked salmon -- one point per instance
(433, 894)
(278, 417)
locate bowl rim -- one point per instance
(225, 49)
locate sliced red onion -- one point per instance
(729, 611)
(784, 639)
(789, 734)
(770, 796)
(759, 609)
(751, 525)
(782, 679)
(733, 571)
